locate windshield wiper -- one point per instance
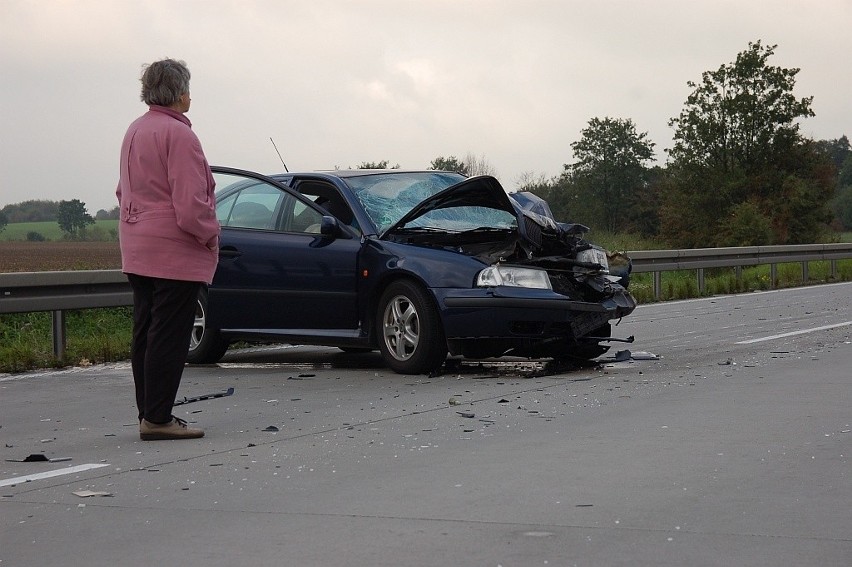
(427, 229)
(489, 229)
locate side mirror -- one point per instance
(329, 226)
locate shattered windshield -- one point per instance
(463, 218)
(388, 197)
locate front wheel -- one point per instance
(206, 345)
(411, 337)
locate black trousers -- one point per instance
(163, 315)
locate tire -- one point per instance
(409, 330)
(206, 345)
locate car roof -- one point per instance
(344, 173)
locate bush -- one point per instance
(746, 226)
(33, 236)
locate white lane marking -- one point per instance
(49, 474)
(793, 333)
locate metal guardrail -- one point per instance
(690, 259)
(659, 261)
(58, 292)
(25, 292)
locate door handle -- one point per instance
(229, 252)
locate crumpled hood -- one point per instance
(484, 191)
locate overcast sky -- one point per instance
(336, 83)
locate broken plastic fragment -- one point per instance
(645, 356)
(622, 356)
(39, 458)
(466, 414)
(90, 493)
(222, 394)
(270, 428)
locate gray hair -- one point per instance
(163, 82)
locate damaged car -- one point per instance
(414, 264)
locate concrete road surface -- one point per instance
(731, 449)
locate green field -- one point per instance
(50, 230)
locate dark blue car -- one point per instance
(416, 264)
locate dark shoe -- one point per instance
(175, 429)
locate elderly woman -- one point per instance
(169, 242)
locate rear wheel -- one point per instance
(205, 345)
(411, 339)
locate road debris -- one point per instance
(301, 376)
(222, 394)
(642, 355)
(90, 493)
(39, 458)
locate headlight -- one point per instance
(592, 256)
(513, 276)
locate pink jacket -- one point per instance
(168, 227)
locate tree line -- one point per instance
(71, 216)
(40, 210)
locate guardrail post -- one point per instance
(59, 334)
(805, 274)
(773, 276)
(833, 264)
(701, 281)
(658, 285)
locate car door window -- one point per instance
(248, 203)
(302, 218)
(256, 205)
(328, 198)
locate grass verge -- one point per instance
(92, 336)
